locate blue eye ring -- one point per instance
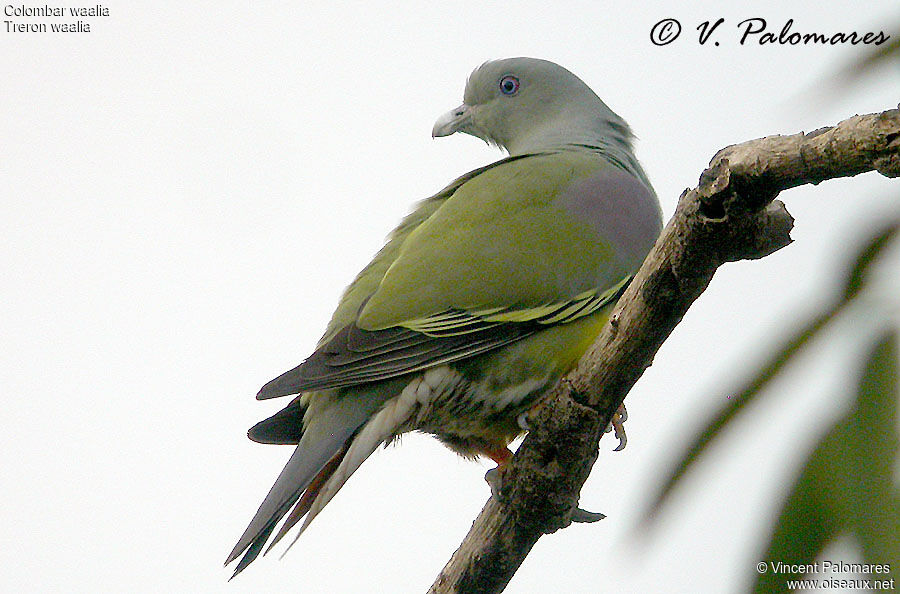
(509, 85)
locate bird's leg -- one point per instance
(502, 455)
(617, 424)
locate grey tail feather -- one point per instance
(301, 507)
(253, 549)
(305, 464)
(254, 537)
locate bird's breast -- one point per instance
(474, 404)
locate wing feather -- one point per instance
(356, 356)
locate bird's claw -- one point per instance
(522, 421)
(582, 516)
(617, 424)
(494, 480)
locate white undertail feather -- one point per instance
(379, 429)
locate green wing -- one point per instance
(496, 260)
(503, 240)
(369, 278)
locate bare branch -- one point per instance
(731, 215)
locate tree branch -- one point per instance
(731, 215)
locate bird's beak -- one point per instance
(454, 120)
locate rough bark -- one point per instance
(731, 215)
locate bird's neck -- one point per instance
(607, 135)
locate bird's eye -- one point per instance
(509, 85)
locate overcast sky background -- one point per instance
(186, 190)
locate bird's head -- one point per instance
(527, 105)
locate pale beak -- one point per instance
(454, 120)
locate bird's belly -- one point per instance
(475, 404)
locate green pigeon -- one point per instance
(481, 299)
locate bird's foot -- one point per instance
(494, 479)
(583, 516)
(501, 455)
(522, 421)
(617, 424)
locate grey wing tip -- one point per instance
(267, 392)
(285, 384)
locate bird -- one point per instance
(480, 300)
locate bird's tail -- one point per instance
(336, 442)
(308, 463)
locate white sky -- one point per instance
(187, 189)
